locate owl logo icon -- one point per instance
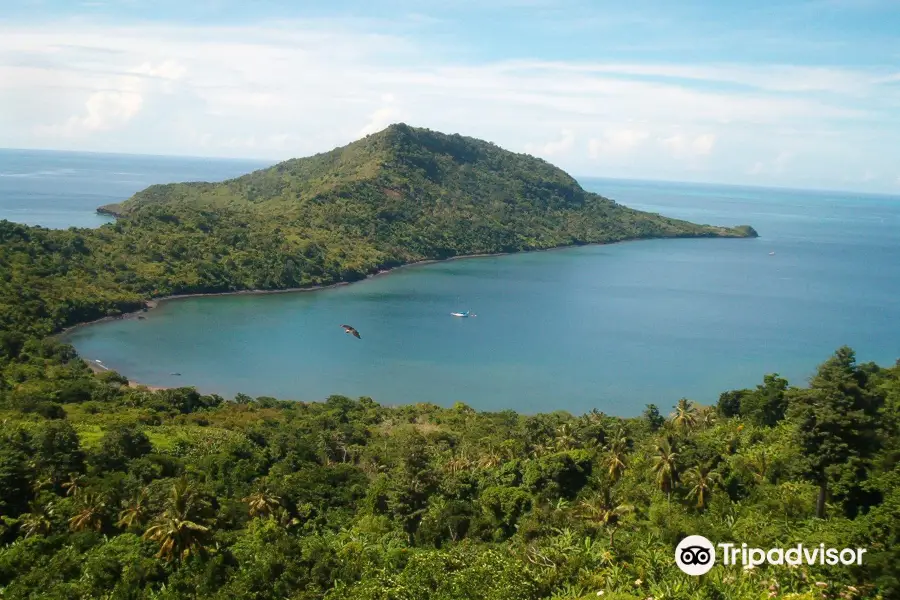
(695, 555)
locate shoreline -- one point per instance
(98, 367)
(153, 303)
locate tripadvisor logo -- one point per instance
(696, 555)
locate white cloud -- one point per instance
(776, 166)
(685, 146)
(168, 69)
(556, 147)
(778, 78)
(380, 119)
(781, 161)
(293, 89)
(616, 142)
(103, 110)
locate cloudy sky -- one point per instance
(799, 93)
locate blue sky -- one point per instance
(800, 93)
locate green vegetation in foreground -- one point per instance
(399, 196)
(113, 492)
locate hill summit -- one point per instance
(415, 194)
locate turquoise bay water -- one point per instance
(607, 327)
(63, 189)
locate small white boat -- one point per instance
(771, 254)
(462, 314)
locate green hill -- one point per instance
(398, 196)
(415, 194)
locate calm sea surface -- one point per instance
(62, 189)
(606, 327)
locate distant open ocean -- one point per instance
(607, 327)
(63, 189)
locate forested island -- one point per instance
(120, 492)
(396, 197)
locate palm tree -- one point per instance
(37, 522)
(539, 450)
(457, 464)
(617, 459)
(702, 480)
(602, 512)
(90, 515)
(285, 518)
(758, 463)
(707, 416)
(74, 486)
(490, 459)
(176, 529)
(565, 438)
(685, 415)
(665, 466)
(596, 416)
(41, 483)
(262, 503)
(134, 515)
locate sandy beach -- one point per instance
(100, 368)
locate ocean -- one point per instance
(608, 327)
(63, 189)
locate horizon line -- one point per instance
(269, 162)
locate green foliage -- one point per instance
(172, 494)
(108, 491)
(836, 419)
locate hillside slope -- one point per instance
(398, 196)
(415, 193)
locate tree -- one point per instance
(58, 450)
(729, 404)
(835, 421)
(565, 438)
(14, 473)
(617, 457)
(766, 405)
(90, 514)
(665, 466)
(74, 486)
(758, 463)
(121, 445)
(685, 415)
(177, 530)
(262, 503)
(134, 515)
(702, 479)
(38, 520)
(653, 418)
(706, 417)
(605, 513)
